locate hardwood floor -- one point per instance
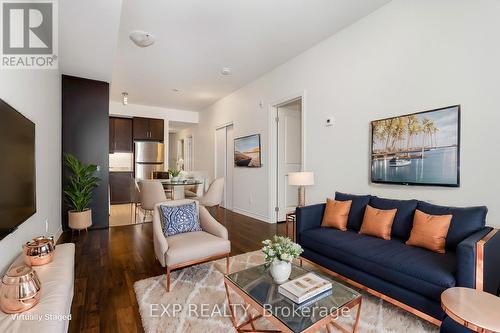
(246, 233)
(109, 261)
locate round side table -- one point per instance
(471, 308)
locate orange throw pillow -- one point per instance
(336, 214)
(378, 222)
(430, 231)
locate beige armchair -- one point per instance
(190, 248)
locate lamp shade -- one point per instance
(301, 178)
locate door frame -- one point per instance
(273, 147)
(225, 125)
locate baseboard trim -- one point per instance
(252, 215)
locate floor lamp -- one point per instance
(301, 179)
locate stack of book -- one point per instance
(304, 288)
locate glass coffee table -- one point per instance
(258, 290)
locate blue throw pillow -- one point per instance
(179, 219)
(403, 222)
(464, 223)
(357, 212)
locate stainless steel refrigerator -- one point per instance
(148, 158)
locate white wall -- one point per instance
(137, 110)
(407, 56)
(37, 95)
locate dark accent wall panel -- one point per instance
(85, 134)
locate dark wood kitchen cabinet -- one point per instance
(148, 129)
(121, 185)
(120, 135)
(156, 129)
(141, 128)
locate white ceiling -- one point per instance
(194, 40)
(88, 36)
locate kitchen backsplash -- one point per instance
(121, 162)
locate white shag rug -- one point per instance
(197, 303)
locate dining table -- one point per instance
(177, 187)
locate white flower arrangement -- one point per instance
(280, 248)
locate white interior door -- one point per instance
(188, 154)
(228, 189)
(180, 153)
(224, 162)
(289, 154)
(220, 155)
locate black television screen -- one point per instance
(417, 149)
(17, 169)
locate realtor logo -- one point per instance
(29, 34)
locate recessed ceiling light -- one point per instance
(226, 71)
(142, 38)
(124, 98)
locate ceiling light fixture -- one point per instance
(226, 71)
(142, 38)
(124, 98)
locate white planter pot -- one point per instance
(280, 271)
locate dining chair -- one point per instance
(136, 198)
(196, 191)
(169, 192)
(151, 193)
(213, 197)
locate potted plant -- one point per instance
(78, 192)
(279, 254)
(174, 173)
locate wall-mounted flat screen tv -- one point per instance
(17, 169)
(247, 151)
(417, 149)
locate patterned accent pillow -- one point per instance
(179, 219)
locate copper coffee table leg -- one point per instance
(251, 319)
(358, 314)
(231, 309)
(356, 322)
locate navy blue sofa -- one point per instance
(410, 275)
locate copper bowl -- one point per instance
(20, 289)
(39, 251)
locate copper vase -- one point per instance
(20, 289)
(39, 251)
